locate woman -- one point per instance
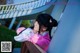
(41, 35)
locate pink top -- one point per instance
(41, 40)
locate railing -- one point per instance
(15, 10)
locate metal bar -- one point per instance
(12, 22)
(19, 24)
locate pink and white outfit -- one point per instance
(42, 40)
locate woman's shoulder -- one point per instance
(45, 33)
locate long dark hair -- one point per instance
(47, 21)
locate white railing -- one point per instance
(15, 10)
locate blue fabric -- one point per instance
(64, 34)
